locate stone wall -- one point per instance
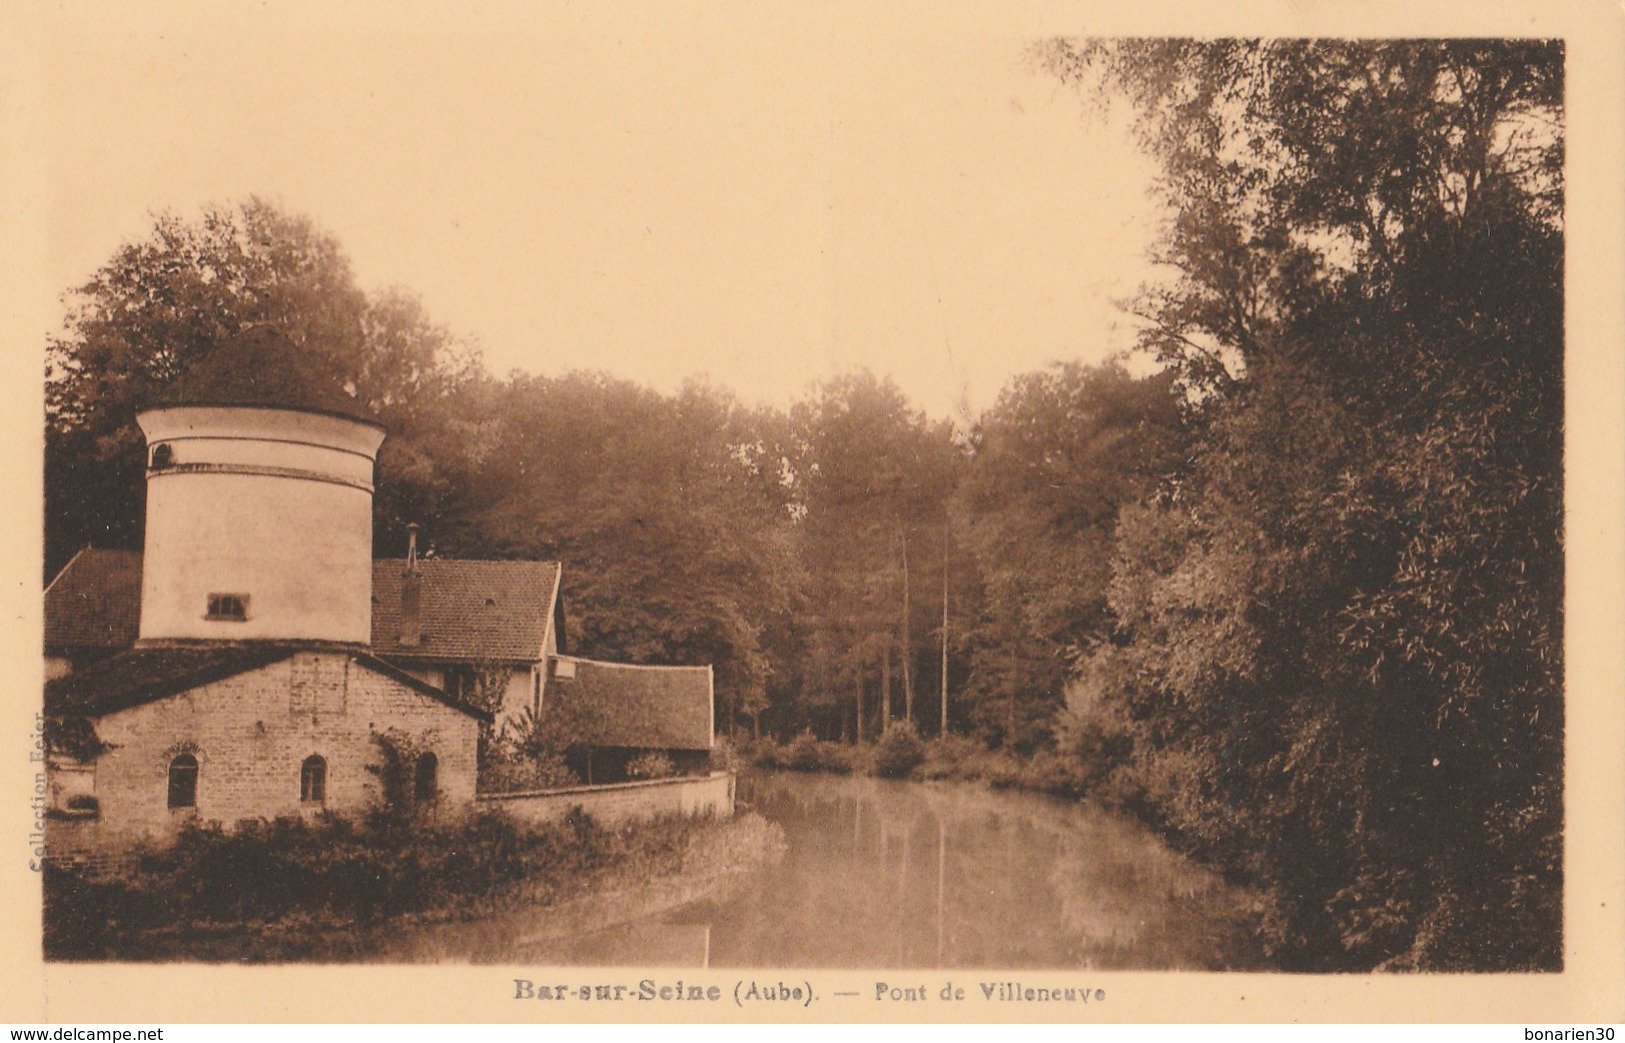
(621, 801)
(252, 732)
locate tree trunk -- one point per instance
(943, 727)
(907, 651)
(858, 675)
(885, 687)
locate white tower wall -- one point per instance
(261, 516)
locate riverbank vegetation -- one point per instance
(1292, 590)
(950, 758)
(278, 889)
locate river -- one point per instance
(900, 875)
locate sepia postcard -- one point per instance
(727, 512)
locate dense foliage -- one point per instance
(1056, 457)
(1338, 661)
(1297, 598)
(162, 306)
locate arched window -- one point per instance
(425, 785)
(313, 780)
(183, 781)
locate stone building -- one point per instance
(245, 731)
(468, 627)
(250, 689)
(255, 661)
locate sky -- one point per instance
(760, 195)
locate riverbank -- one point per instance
(293, 889)
(901, 754)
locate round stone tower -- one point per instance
(259, 502)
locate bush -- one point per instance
(805, 753)
(899, 751)
(335, 872)
(502, 772)
(760, 753)
(263, 871)
(727, 757)
(801, 753)
(959, 757)
(856, 759)
(1057, 773)
(652, 764)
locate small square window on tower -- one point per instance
(228, 606)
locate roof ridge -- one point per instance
(68, 694)
(631, 666)
(477, 561)
(184, 667)
(373, 661)
(63, 571)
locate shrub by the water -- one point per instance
(806, 753)
(725, 756)
(899, 751)
(801, 754)
(958, 757)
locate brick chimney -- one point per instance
(412, 592)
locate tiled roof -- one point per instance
(144, 675)
(471, 610)
(642, 707)
(95, 601)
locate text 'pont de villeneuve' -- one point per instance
(748, 992)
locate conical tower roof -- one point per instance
(260, 367)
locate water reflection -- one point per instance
(898, 875)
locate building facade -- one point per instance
(223, 734)
(250, 689)
(483, 631)
(254, 660)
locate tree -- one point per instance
(675, 536)
(871, 472)
(428, 387)
(1340, 641)
(145, 319)
(1056, 457)
(161, 307)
